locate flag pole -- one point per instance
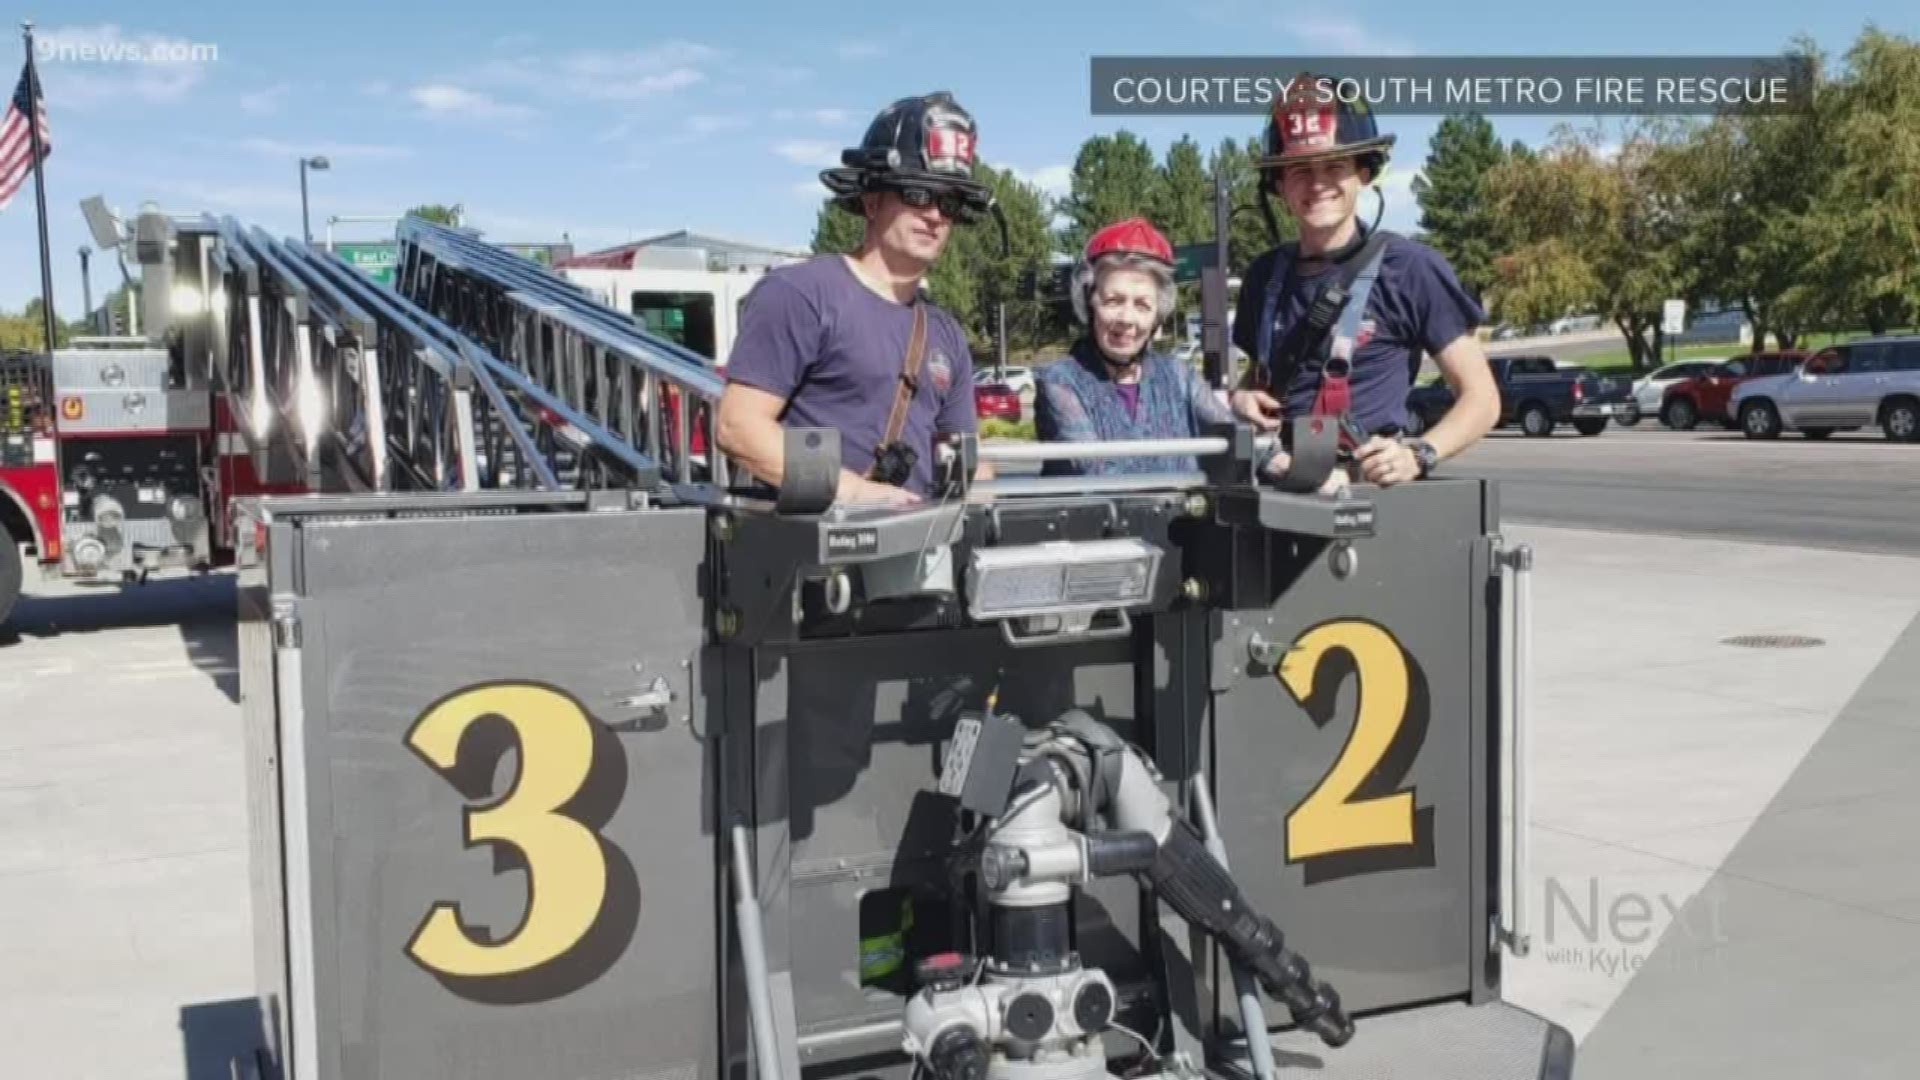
(39, 189)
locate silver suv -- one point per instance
(1870, 383)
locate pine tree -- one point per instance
(1455, 216)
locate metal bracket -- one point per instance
(649, 702)
(1266, 653)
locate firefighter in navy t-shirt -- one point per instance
(1403, 300)
(824, 343)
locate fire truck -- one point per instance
(571, 753)
(120, 457)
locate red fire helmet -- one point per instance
(1135, 236)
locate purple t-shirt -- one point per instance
(814, 334)
(1418, 304)
(1129, 397)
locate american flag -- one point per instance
(16, 142)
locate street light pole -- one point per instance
(319, 164)
(86, 287)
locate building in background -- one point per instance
(687, 250)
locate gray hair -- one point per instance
(1086, 277)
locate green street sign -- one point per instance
(1188, 259)
(377, 260)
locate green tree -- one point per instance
(1587, 231)
(1865, 223)
(438, 213)
(1248, 234)
(1183, 210)
(1114, 177)
(836, 230)
(27, 330)
(1182, 204)
(1744, 188)
(1451, 190)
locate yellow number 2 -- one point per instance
(1329, 820)
(566, 867)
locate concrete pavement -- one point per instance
(124, 919)
(1657, 747)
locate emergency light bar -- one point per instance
(1061, 578)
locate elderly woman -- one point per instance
(1112, 385)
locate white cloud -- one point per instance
(264, 102)
(505, 227)
(711, 125)
(1338, 34)
(278, 148)
(1053, 180)
(809, 152)
(84, 67)
(825, 117)
(810, 191)
(602, 74)
(240, 198)
(445, 99)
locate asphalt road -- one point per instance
(1854, 492)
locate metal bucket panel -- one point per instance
(1348, 757)
(472, 676)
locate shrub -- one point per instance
(1006, 429)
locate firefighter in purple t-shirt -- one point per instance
(824, 343)
(1403, 300)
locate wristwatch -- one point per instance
(1424, 455)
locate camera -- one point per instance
(893, 464)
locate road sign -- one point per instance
(1673, 317)
(1189, 258)
(378, 260)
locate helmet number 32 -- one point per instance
(1305, 123)
(1331, 820)
(566, 866)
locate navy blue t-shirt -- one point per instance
(814, 334)
(1417, 304)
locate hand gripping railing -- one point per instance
(657, 396)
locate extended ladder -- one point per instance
(483, 371)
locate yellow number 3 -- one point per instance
(1329, 820)
(566, 867)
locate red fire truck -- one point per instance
(114, 464)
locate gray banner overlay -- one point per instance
(1438, 85)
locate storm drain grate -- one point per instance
(1773, 641)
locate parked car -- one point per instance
(1019, 378)
(1705, 396)
(1536, 393)
(1873, 382)
(1574, 324)
(1650, 390)
(996, 401)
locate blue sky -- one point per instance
(606, 122)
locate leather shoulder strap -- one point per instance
(909, 376)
